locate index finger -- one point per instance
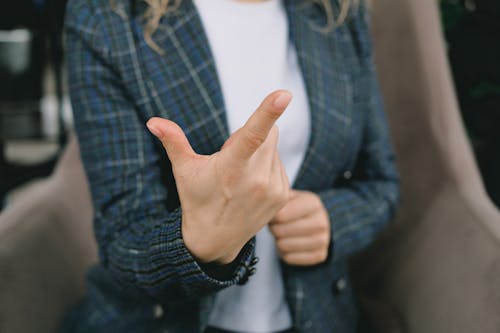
(253, 134)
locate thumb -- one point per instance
(172, 138)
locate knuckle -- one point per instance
(275, 231)
(282, 245)
(273, 191)
(284, 196)
(288, 259)
(281, 254)
(260, 187)
(318, 204)
(315, 201)
(324, 240)
(278, 233)
(279, 217)
(271, 113)
(279, 196)
(254, 139)
(322, 256)
(323, 228)
(276, 195)
(319, 257)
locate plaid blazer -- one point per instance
(146, 280)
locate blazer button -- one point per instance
(338, 286)
(254, 261)
(251, 269)
(157, 311)
(246, 276)
(347, 175)
(244, 279)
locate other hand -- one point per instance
(302, 230)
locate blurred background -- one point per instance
(34, 107)
(472, 29)
(35, 112)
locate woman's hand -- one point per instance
(227, 197)
(302, 230)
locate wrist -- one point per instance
(205, 250)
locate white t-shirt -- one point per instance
(254, 56)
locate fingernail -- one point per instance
(155, 130)
(282, 100)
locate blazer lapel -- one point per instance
(329, 90)
(182, 80)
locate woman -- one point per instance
(232, 229)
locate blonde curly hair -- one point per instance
(158, 8)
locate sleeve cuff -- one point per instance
(224, 272)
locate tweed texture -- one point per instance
(117, 82)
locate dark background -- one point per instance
(472, 30)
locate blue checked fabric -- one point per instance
(146, 280)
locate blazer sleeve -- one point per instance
(365, 203)
(139, 237)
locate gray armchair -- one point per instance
(437, 268)
(46, 245)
